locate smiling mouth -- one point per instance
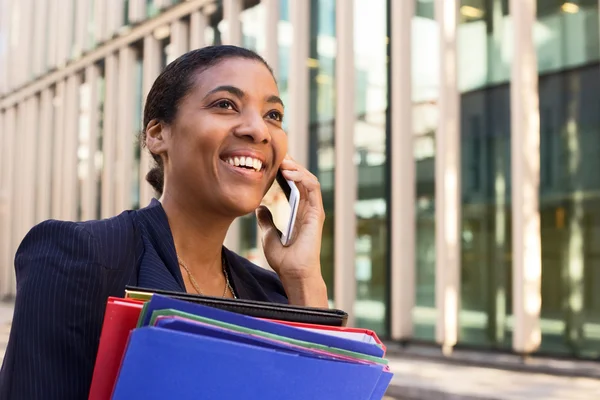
(246, 163)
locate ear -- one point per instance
(156, 135)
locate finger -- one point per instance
(309, 182)
(271, 236)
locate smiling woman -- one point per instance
(213, 124)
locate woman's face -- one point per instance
(227, 142)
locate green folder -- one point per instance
(241, 329)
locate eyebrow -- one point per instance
(239, 93)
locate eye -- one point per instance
(225, 105)
(275, 115)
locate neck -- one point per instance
(198, 235)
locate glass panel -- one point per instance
(484, 42)
(567, 36)
(285, 40)
(99, 156)
(215, 23)
(569, 208)
(253, 28)
(91, 23)
(425, 71)
(566, 33)
(370, 47)
(322, 114)
(83, 150)
(137, 124)
(151, 8)
(485, 176)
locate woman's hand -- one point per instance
(298, 264)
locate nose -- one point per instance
(253, 128)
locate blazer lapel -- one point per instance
(159, 268)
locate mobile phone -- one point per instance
(293, 197)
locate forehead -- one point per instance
(251, 76)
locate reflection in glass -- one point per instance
(485, 175)
(253, 28)
(137, 124)
(569, 182)
(370, 47)
(425, 93)
(321, 114)
(566, 34)
(569, 210)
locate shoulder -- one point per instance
(267, 280)
(93, 241)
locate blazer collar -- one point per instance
(159, 268)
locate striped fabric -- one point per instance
(65, 273)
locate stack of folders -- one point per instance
(160, 345)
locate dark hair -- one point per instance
(174, 83)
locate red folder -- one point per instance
(120, 318)
(342, 331)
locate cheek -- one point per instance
(280, 143)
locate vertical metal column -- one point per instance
(89, 188)
(345, 170)
(179, 38)
(109, 139)
(231, 14)
(6, 197)
(151, 69)
(71, 145)
(525, 171)
(198, 24)
(137, 10)
(272, 34)
(58, 149)
(447, 181)
(44, 155)
(82, 10)
(40, 34)
(125, 137)
(402, 245)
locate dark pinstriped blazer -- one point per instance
(65, 273)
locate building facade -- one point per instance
(456, 142)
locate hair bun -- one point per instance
(155, 177)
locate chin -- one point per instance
(240, 207)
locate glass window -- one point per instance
(425, 94)
(485, 175)
(137, 123)
(99, 156)
(321, 116)
(253, 28)
(569, 211)
(566, 33)
(284, 40)
(371, 88)
(485, 44)
(567, 37)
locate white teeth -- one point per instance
(245, 162)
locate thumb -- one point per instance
(271, 236)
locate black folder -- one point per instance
(252, 308)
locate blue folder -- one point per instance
(161, 303)
(162, 363)
(205, 329)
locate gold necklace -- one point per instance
(195, 284)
